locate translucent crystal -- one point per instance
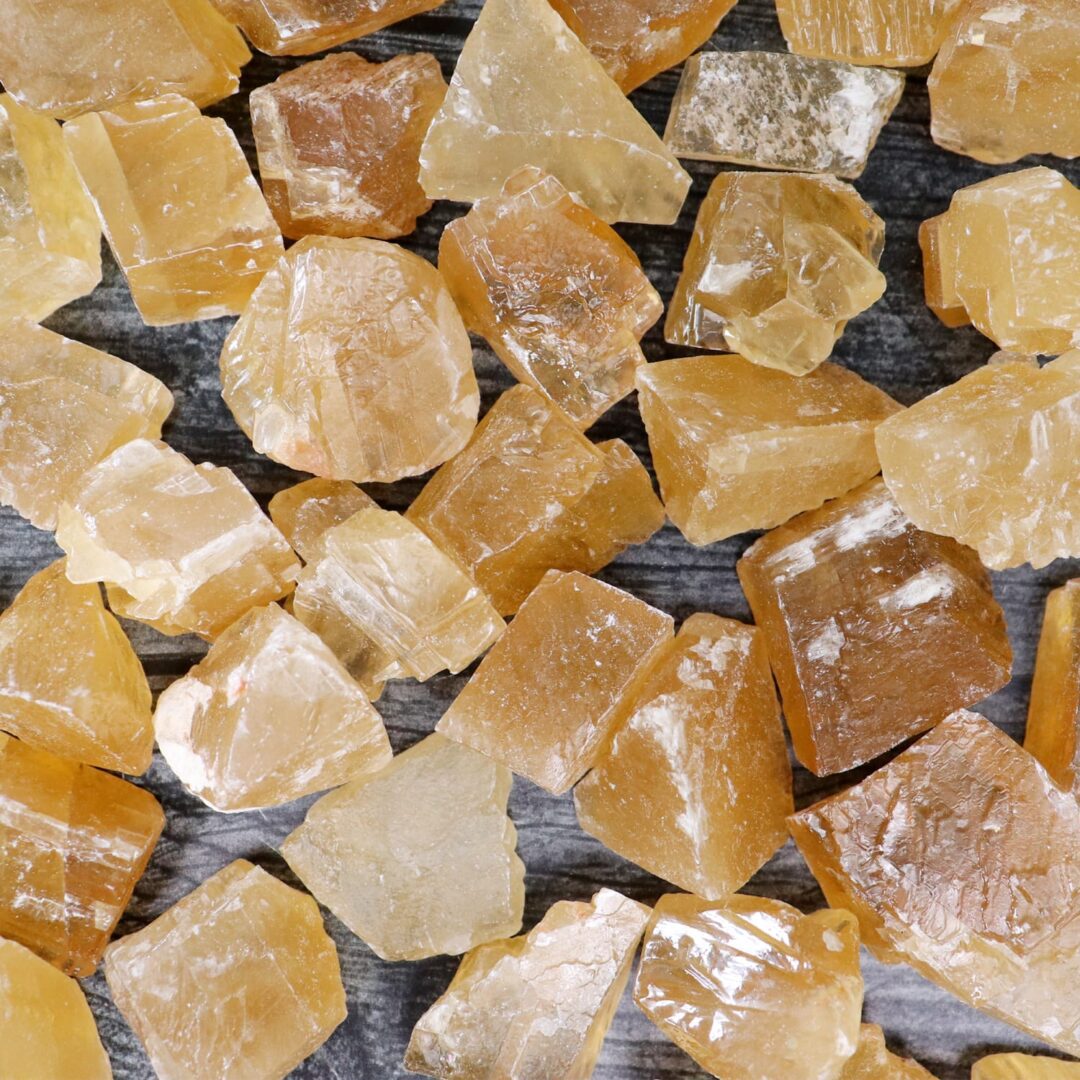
(1024, 1067)
(339, 144)
(183, 547)
(238, 979)
(530, 493)
(752, 988)
(872, 1060)
(185, 218)
(776, 266)
(875, 630)
(737, 446)
(418, 859)
(306, 510)
(352, 362)
(526, 91)
(534, 1006)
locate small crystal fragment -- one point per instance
(872, 1060)
(238, 979)
(961, 858)
(182, 547)
(526, 91)
(185, 218)
(419, 858)
(534, 1006)
(352, 362)
(696, 785)
(875, 630)
(306, 510)
(737, 446)
(73, 843)
(339, 144)
(776, 266)
(1024, 1067)
(752, 988)
(530, 493)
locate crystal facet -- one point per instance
(306, 510)
(1024, 1067)
(872, 1060)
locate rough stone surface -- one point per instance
(872, 1060)
(306, 510)
(1024, 1067)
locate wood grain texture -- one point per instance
(898, 345)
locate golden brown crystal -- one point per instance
(306, 510)
(872, 1060)
(1024, 1067)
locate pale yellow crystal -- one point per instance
(1024, 1067)
(872, 1060)
(306, 510)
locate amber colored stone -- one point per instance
(534, 1006)
(73, 843)
(339, 144)
(737, 446)
(306, 510)
(182, 547)
(752, 988)
(776, 266)
(697, 784)
(63, 408)
(526, 91)
(875, 630)
(184, 217)
(1007, 81)
(961, 858)
(417, 859)
(530, 493)
(1024, 1067)
(872, 1060)
(352, 362)
(238, 979)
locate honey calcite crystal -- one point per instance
(306, 510)
(339, 144)
(419, 858)
(962, 858)
(352, 362)
(854, 603)
(696, 785)
(185, 218)
(73, 843)
(526, 91)
(182, 547)
(238, 979)
(530, 493)
(752, 988)
(737, 446)
(872, 1060)
(534, 1006)
(776, 266)
(1024, 1067)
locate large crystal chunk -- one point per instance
(1024, 1067)
(306, 510)
(872, 1060)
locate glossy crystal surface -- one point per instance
(306, 510)
(1024, 1067)
(873, 1061)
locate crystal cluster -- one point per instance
(306, 510)
(872, 1060)
(1024, 1067)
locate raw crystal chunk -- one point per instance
(183, 547)
(185, 218)
(68, 57)
(306, 510)
(339, 144)
(526, 91)
(991, 461)
(238, 979)
(418, 859)
(961, 858)
(1024, 1067)
(546, 699)
(752, 988)
(876, 631)
(538, 1005)
(50, 241)
(63, 408)
(824, 117)
(776, 266)
(1006, 257)
(530, 493)
(352, 362)
(872, 1060)
(558, 294)
(73, 843)
(696, 785)
(1007, 81)
(737, 446)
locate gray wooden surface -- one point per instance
(898, 344)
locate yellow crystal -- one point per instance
(182, 547)
(697, 784)
(238, 979)
(872, 1060)
(752, 988)
(419, 858)
(526, 91)
(776, 266)
(1024, 1067)
(352, 362)
(534, 1006)
(185, 218)
(306, 510)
